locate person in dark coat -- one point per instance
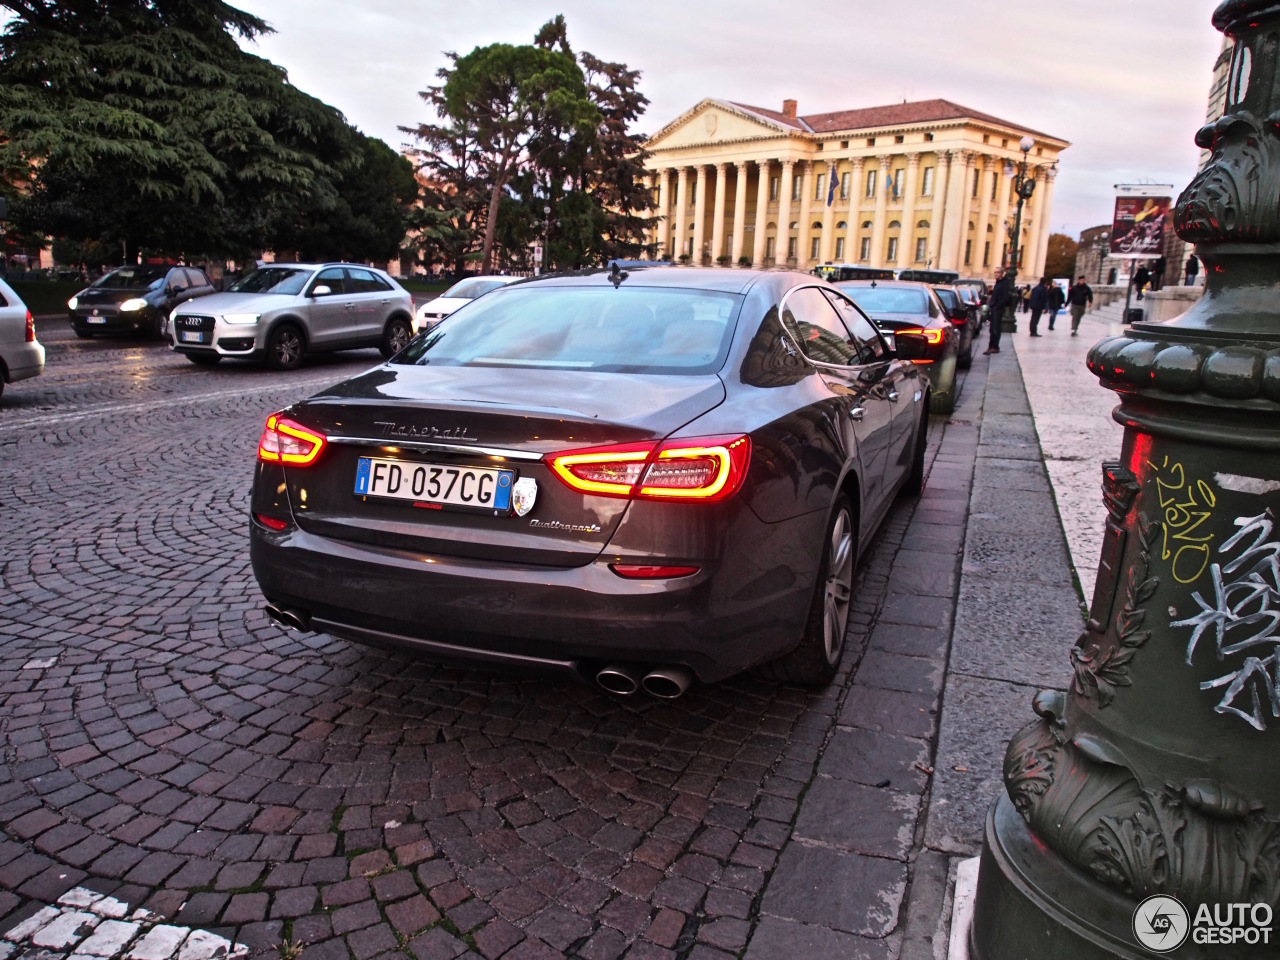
(1141, 279)
(1001, 297)
(1038, 301)
(1057, 300)
(1080, 296)
(1157, 273)
(1193, 270)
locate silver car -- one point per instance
(21, 354)
(283, 311)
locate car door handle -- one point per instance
(892, 396)
(857, 413)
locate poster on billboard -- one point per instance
(1137, 229)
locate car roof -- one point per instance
(691, 278)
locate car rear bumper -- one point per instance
(24, 361)
(529, 617)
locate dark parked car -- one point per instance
(965, 317)
(135, 299)
(637, 479)
(913, 316)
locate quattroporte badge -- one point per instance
(523, 495)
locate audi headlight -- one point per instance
(241, 318)
(73, 303)
(132, 304)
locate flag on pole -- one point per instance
(831, 184)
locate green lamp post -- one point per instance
(1024, 175)
(1142, 807)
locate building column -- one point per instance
(952, 228)
(1032, 221)
(784, 212)
(907, 236)
(854, 221)
(739, 213)
(985, 166)
(1046, 208)
(881, 222)
(1002, 217)
(806, 207)
(700, 215)
(966, 208)
(664, 213)
(941, 177)
(762, 214)
(717, 214)
(682, 208)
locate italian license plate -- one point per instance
(483, 488)
(192, 336)
(95, 319)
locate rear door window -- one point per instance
(871, 346)
(365, 281)
(809, 317)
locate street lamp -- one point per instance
(546, 230)
(1024, 185)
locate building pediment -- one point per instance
(717, 121)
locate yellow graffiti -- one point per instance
(1187, 508)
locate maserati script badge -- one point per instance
(523, 495)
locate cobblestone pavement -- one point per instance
(166, 745)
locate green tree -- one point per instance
(1060, 256)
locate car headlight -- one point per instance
(73, 303)
(241, 318)
(134, 303)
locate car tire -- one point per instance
(817, 658)
(285, 348)
(942, 399)
(395, 337)
(160, 329)
(204, 359)
(965, 357)
(913, 486)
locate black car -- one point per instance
(135, 299)
(965, 316)
(911, 313)
(637, 479)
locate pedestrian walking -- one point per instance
(1024, 298)
(1141, 279)
(1037, 303)
(1079, 297)
(1001, 297)
(1057, 299)
(1157, 273)
(1193, 270)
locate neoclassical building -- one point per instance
(909, 185)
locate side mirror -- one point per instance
(321, 290)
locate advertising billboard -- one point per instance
(1137, 229)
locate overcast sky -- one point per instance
(1126, 81)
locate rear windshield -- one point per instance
(888, 299)
(470, 289)
(132, 278)
(284, 280)
(625, 330)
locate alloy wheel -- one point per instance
(288, 349)
(400, 336)
(839, 587)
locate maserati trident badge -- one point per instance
(523, 495)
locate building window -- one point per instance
(899, 139)
(775, 184)
(928, 138)
(866, 224)
(871, 141)
(820, 147)
(866, 248)
(839, 249)
(844, 185)
(871, 183)
(897, 184)
(893, 249)
(986, 138)
(986, 254)
(820, 187)
(813, 247)
(769, 247)
(977, 182)
(995, 184)
(921, 245)
(693, 192)
(844, 144)
(795, 187)
(926, 182)
(968, 252)
(791, 247)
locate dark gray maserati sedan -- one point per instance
(638, 478)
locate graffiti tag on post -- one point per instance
(1187, 509)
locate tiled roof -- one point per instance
(893, 115)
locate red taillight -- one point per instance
(31, 328)
(930, 336)
(284, 441)
(271, 523)
(695, 468)
(641, 571)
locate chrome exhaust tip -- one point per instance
(288, 618)
(667, 683)
(618, 679)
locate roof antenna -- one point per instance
(616, 274)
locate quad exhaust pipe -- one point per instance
(288, 617)
(664, 683)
